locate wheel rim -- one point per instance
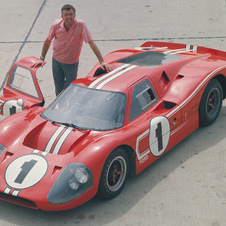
(116, 174)
(213, 102)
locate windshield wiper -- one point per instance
(69, 125)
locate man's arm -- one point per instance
(45, 49)
(99, 56)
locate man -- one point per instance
(68, 34)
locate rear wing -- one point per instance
(174, 46)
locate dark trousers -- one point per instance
(63, 74)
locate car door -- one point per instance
(153, 117)
(143, 100)
(22, 90)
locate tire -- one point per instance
(211, 103)
(114, 174)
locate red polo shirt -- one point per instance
(67, 45)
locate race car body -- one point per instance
(106, 126)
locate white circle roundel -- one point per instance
(159, 135)
(26, 171)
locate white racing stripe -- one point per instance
(195, 48)
(61, 140)
(7, 190)
(15, 193)
(94, 83)
(173, 50)
(186, 49)
(182, 51)
(53, 138)
(103, 80)
(101, 85)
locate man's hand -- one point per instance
(97, 52)
(106, 66)
(39, 62)
(45, 48)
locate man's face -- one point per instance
(68, 16)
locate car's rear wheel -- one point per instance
(114, 174)
(211, 103)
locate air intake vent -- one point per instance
(99, 72)
(164, 75)
(168, 105)
(180, 76)
(18, 200)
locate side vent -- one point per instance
(7, 156)
(99, 72)
(56, 169)
(168, 105)
(180, 76)
(165, 77)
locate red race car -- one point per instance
(106, 126)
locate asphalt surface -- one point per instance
(187, 186)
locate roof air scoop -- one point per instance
(99, 72)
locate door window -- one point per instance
(22, 81)
(143, 98)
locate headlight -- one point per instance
(81, 175)
(2, 149)
(75, 179)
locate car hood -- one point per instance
(29, 129)
(33, 153)
(54, 138)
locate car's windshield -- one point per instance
(88, 108)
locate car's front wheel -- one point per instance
(114, 174)
(211, 103)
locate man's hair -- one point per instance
(67, 7)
